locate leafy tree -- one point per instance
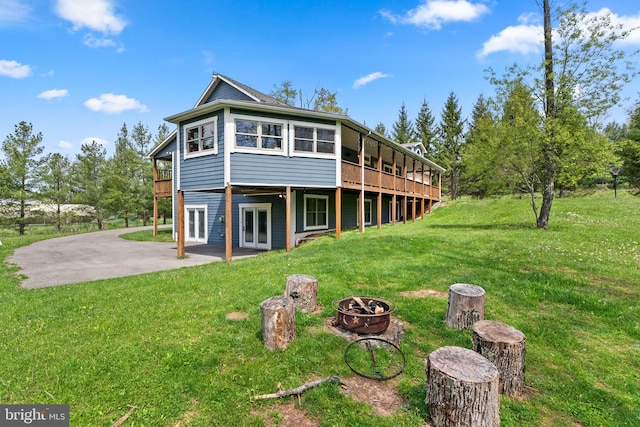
(20, 174)
(320, 100)
(483, 169)
(403, 131)
(122, 195)
(581, 70)
(56, 184)
(629, 150)
(448, 148)
(164, 203)
(88, 183)
(426, 131)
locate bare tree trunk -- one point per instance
(550, 162)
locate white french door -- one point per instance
(196, 223)
(255, 225)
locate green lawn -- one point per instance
(162, 341)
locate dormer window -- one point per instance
(201, 137)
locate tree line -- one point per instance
(542, 131)
(118, 186)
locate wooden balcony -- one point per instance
(387, 183)
(162, 183)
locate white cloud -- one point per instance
(91, 139)
(522, 39)
(113, 104)
(96, 42)
(369, 78)
(65, 144)
(627, 22)
(433, 13)
(96, 15)
(14, 69)
(13, 11)
(53, 93)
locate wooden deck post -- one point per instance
(379, 201)
(338, 211)
(404, 197)
(361, 198)
(228, 205)
(422, 208)
(180, 225)
(394, 199)
(379, 209)
(288, 217)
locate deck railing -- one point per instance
(375, 180)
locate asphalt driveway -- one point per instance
(104, 255)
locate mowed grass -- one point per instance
(162, 341)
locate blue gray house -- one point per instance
(245, 170)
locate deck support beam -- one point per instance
(228, 205)
(338, 211)
(288, 217)
(180, 225)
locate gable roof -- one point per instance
(255, 95)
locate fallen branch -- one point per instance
(125, 416)
(299, 390)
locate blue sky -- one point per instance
(79, 69)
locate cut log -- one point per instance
(278, 316)
(505, 347)
(466, 305)
(462, 389)
(303, 290)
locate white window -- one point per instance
(258, 134)
(316, 212)
(201, 137)
(196, 223)
(387, 167)
(312, 139)
(367, 211)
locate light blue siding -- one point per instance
(204, 172)
(296, 171)
(225, 91)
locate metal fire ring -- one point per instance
(379, 378)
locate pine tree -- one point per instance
(403, 131)
(20, 173)
(448, 149)
(141, 140)
(426, 131)
(56, 184)
(381, 129)
(88, 184)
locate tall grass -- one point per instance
(162, 341)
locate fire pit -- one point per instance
(364, 315)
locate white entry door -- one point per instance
(255, 225)
(196, 218)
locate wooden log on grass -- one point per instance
(466, 305)
(303, 290)
(505, 347)
(278, 316)
(462, 389)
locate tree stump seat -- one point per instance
(462, 389)
(303, 289)
(278, 317)
(466, 305)
(504, 346)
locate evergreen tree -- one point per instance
(164, 203)
(403, 131)
(448, 149)
(123, 179)
(426, 131)
(88, 183)
(20, 173)
(381, 129)
(141, 140)
(56, 184)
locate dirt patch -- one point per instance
(381, 395)
(286, 415)
(423, 293)
(237, 315)
(186, 418)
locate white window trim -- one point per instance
(260, 119)
(314, 154)
(185, 127)
(206, 222)
(370, 201)
(315, 227)
(266, 206)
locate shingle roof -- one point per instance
(252, 92)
